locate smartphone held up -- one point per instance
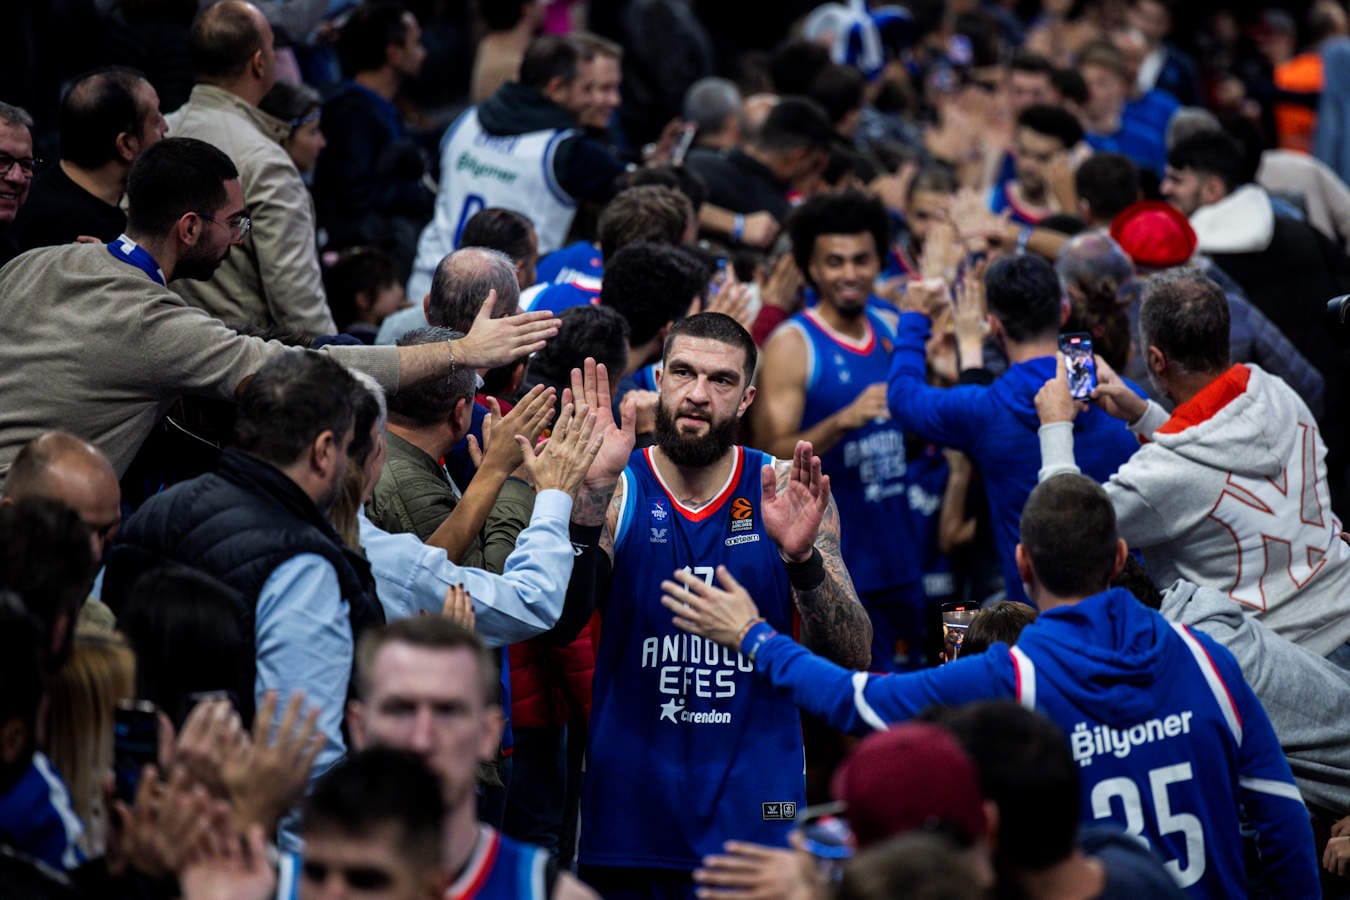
(1081, 368)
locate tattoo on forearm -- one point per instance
(591, 504)
(834, 623)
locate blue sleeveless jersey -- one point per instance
(687, 748)
(867, 467)
(502, 869)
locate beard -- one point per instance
(850, 310)
(197, 265)
(693, 451)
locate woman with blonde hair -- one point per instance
(83, 696)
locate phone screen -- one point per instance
(682, 146)
(1079, 364)
(135, 745)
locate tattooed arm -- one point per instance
(834, 623)
(801, 517)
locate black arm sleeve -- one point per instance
(589, 584)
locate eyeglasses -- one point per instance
(239, 225)
(26, 164)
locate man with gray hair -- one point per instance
(1230, 491)
(16, 173)
(713, 106)
(467, 273)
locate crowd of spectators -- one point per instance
(505, 449)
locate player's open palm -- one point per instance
(590, 387)
(794, 510)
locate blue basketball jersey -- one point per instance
(502, 869)
(566, 263)
(867, 467)
(687, 748)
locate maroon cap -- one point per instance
(1153, 233)
(909, 777)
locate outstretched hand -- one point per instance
(496, 342)
(590, 387)
(529, 418)
(792, 516)
(568, 454)
(709, 611)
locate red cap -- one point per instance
(906, 778)
(1153, 233)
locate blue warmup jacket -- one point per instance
(996, 426)
(1168, 736)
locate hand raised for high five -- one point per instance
(570, 450)
(496, 342)
(529, 418)
(590, 386)
(793, 513)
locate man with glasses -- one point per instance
(273, 278)
(16, 172)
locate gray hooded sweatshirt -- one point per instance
(1306, 697)
(1231, 492)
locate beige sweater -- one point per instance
(273, 277)
(92, 345)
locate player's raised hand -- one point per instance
(793, 513)
(590, 387)
(719, 614)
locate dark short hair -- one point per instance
(186, 631)
(848, 212)
(22, 672)
(718, 327)
(366, 37)
(223, 39)
(1032, 64)
(434, 399)
(795, 64)
(357, 270)
(376, 788)
(839, 90)
(1212, 153)
(650, 285)
(684, 180)
(503, 230)
(1070, 85)
(552, 56)
(1134, 578)
(463, 280)
(1027, 769)
(1000, 623)
(100, 106)
(648, 213)
(596, 331)
(291, 102)
(294, 398)
(1185, 314)
(934, 178)
(1068, 531)
(1108, 183)
(46, 559)
(427, 633)
(793, 124)
(1024, 293)
(174, 177)
(1052, 121)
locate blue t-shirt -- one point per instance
(566, 263)
(687, 748)
(867, 466)
(555, 298)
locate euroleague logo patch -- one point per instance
(742, 515)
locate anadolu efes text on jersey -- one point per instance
(688, 748)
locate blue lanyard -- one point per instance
(133, 254)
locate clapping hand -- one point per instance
(266, 775)
(529, 418)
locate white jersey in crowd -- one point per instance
(481, 170)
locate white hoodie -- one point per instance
(1231, 493)
(1242, 222)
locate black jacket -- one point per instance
(238, 525)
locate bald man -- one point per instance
(272, 278)
(61, 467)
